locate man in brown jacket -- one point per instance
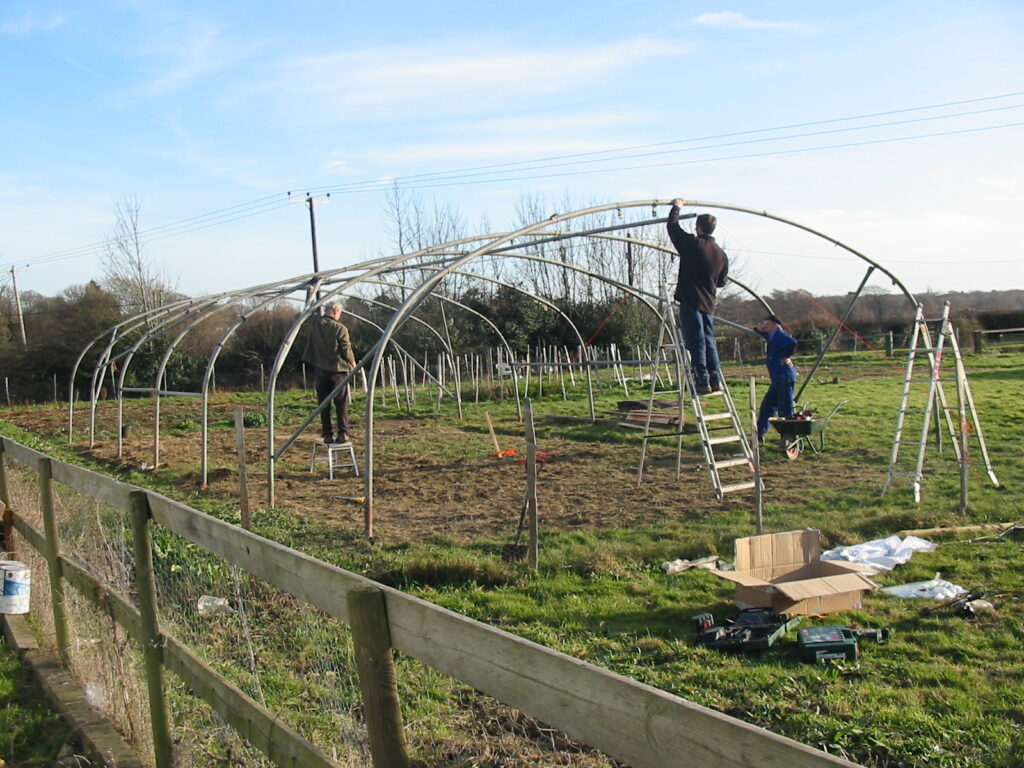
(703, 268)
(329, 351)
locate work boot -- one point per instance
(704, 389)
(344, 437)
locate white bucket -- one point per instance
(17, 586)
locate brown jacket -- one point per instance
(328, 348)
(703, 266)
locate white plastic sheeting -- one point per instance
(881, 555)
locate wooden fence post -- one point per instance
(371, 636)
(979, 342)
(5, 499)
(533, 553)
(60, 621)
(153, 650)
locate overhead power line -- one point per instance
(547, 167)
(753, 131)
(460, 178)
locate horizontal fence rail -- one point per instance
(630, 721)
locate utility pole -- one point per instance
(312, 232)
(309, 200)
(21, 316)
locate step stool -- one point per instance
(332, 458)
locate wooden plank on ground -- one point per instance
(313, 581)
(98, 739)
(631, 722)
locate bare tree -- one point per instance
(127, 272)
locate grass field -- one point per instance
(943, 692)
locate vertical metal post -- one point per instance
(371, 636)
(60, 622)
(756, 453)
(153, 644)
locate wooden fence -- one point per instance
(632, 722)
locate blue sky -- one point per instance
(199, 107)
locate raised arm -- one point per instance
(680, 239)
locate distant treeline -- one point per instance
(58, 328)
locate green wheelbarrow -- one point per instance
(795, 433)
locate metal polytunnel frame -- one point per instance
(440, 261)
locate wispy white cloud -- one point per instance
(736, 20)
(1000, 182)
(454, 75)
(29, 23)
(180, 49)
(515, 138)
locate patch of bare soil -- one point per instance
(420, 490)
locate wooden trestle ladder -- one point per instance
(931, 336)
(727, 451)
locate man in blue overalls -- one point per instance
(779, 397)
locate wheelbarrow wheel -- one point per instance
(790, 447)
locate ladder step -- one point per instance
(717, 416)
(910, 442)
(738, 487)
(721, 440)
(912, 410)
(731, 463)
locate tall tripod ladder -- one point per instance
(720, 430)
(921, 341)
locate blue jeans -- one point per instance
(778, 399)
(698, 331)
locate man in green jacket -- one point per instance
(329, 351)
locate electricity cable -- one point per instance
(464, 177)
(706, 138)
(530, 166)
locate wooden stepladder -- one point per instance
(727, 451)
(934, 337)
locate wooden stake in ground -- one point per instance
(756, 443)
(243, 476)
(533, 554)
(494, 437)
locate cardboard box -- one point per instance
(785, 572)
